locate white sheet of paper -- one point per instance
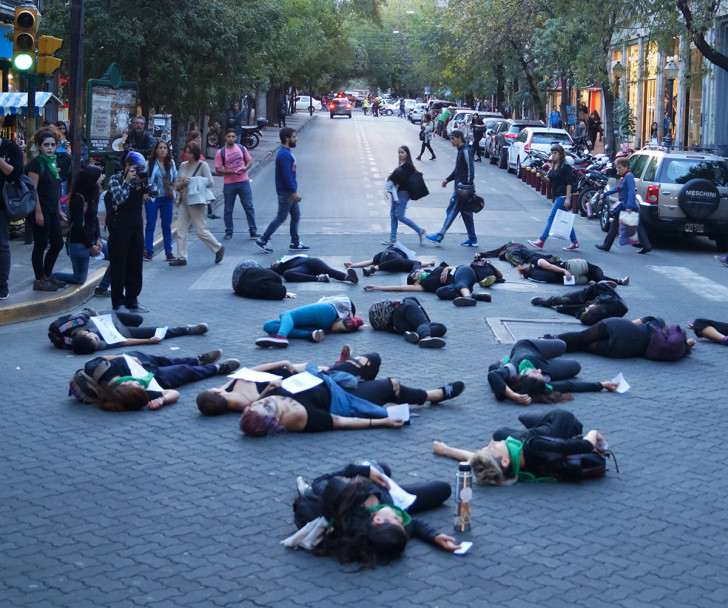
(138, 371)
(571, 281)
(300, 382)
(251, 375)
(100, 256)
(109, 333)
(464, 548)
(160, 332)
(401, 411)
(400, 498)
(623, 385)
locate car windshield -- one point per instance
(682, 170)
(548, 138)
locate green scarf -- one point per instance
(515, 448)
(144, 381)
(406, 517)
(49, 162)
(524, 366)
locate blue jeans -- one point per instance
(300, 322)
(165, 207)
(80, 257)
(463, 278)
(451, 213)
(286, 206)
(230, 192)
(558, 204)
(396, 214)
(172, 372)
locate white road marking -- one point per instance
(699, 285)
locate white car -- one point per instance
(535, 138)
(461, 120)
(418, 113)
(304, 101)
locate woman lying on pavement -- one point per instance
(364, 524)
(532, 373)
(716, 331)
(109, 384)
(539, 451)
(338, 402)
(79, 333)
(589, 304)
(448, 282)
(330, 315)
(392, 259)
(622, 339)
(303, 269)
(407, 317)
(583, 272)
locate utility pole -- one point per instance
(75, 100)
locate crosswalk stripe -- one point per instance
(692, 281)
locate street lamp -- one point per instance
(617, 71)
(670, 72)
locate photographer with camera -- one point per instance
(124, 206)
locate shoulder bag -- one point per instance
(20, 198)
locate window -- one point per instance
(638, 166)
(681, 171)
(522, 136)
(649, 175)
(548, 138)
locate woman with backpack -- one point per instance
(162, 172)
(84, 239)
(426, 131)
(400, 195)
(540, 451)
(543, 271)
(407, 317)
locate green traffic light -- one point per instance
(23, 62)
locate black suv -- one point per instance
(340, 106)
(505, 133)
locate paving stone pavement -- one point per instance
(170, 509)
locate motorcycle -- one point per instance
(215, 138)
(250, 136)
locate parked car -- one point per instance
(417, 113)
(505, 133)
(436, 105)
(340, 106)
(460, 120)
(304, 101)
(682, 192)
(488, 140)
(535, 138)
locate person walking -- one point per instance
(428, 127)
(233, 161)
(282, 113)
(562, 179)
(45, 222)
(11, 168)
(463, 173)
(193, 183)
(162, 172)
(594, 127)
(478, 127)
(288, 197)
(400, 196)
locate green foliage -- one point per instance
(624, 120)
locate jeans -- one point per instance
(165, 207)
(464, 278)
(172, 372)
(396, 214)
(230, 192)
(558, 204)
(300, 322)
(451, 213)
(286, 206)
(4, 247)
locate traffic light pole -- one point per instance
(76, 99)
(30, 122)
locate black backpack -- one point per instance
(59, 331)
(573, 467)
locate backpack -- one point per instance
(422, 135)
(85, 388)
(416, 186)
(667, 344)
(572, 467)
(381, 313)
(20, 198)
(59, 331)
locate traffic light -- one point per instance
(47, 46)
(26, 24)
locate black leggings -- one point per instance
(426, 146)
(596, 274)
(382, 391)
(132, 321)
(594, 340)
(48, 233)
(307, 270)
(410, 316)
(429, 494)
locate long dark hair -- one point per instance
(122, 398)
(167, 158)
(87, 183)
(537, 390)
(408, 160)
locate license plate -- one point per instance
(694, 227)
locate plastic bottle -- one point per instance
(463, 497)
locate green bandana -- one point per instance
(406, 518)
(143, 381)
(49, 162)
(524, 366)
(515, 449)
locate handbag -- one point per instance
(422, 134)
(562, 225)
(416, 186)
(200, 198)
(20, 198)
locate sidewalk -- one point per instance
(25, 304)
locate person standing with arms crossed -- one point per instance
(287, 190)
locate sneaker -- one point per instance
(469, 243)
(299, 247)
(228, 367)
(431, 342)
(368, 271)
(537, 243)
(435, 238)
(345, 354)
(451, 390)
(538, 301)
(272, 342)
(317, 335)
(57, 282)
(228, 236)
(464, 301)
(178, 262)
(487, 281)
(481, 297)
(101, 293)
(412, 337)
(44, 285)
(4, 293)
(323, 278)
(197, 330)
(389, 241)
(137, 308)
(219, 255)
(572, 247)
(170, 257)
(721, 259)
(351, 276)
(263, 246)
(623, 281)
(148, 256)
(212, 216)
(601, 247)
(303, 487)
(254, 234)
(210, 357)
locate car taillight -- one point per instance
(527, 147)
(653, 195)
(510, 136)
(331, 106)
(348, 106)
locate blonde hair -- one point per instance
(487, 471)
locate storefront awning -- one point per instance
(14, 103)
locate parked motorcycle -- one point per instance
(250, 136)
(215, 137)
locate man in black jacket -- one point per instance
(11, 168)
(463, 173)
(138, 139)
